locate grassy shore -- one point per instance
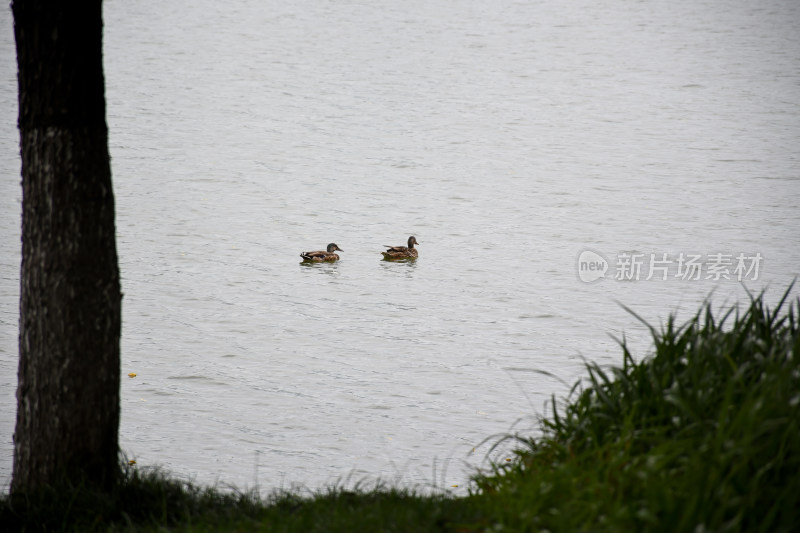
(701, 435)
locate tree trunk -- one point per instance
(70, 300)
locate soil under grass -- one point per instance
(701, 435)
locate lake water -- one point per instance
(508, 137)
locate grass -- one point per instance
(149, 500)
(701, 435)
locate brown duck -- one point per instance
(402, 252)
(321, 255)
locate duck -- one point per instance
(321, 255)
(402, 252)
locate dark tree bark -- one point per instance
(70, 300)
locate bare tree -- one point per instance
(70, 300)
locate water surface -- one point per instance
(508, 137)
